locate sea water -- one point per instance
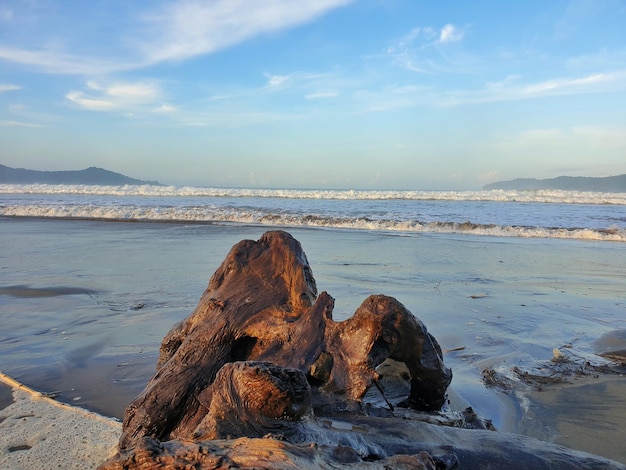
(92, 278)
(553, 214)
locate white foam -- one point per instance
(204, 214)
(545, 196)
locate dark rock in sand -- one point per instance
(261, 376)
(566, 365)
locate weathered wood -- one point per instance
(262, 305)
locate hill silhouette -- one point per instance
(608, 184)
(91, 175)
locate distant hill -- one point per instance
(91, 175)
(608, 184)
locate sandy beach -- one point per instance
(86, 304)
(38, 432)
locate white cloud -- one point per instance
(321, 95)
(174, 32)
(407, 40)
(306, 83)
(510, 89)
(57, 62)
(165, 108)
(450, 33)
(93, 104)
(508, 81)
(573, 85)
(52, 60)
(276, 80)
(116, 96)
(193, 27)
(4, 87)
(18, 124)
(422, 50)
(93, 85)
(135, 92)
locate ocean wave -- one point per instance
(542, 196)
(204, 214)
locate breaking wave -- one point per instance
(543, 196)
(251, 216)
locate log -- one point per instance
(262, 305)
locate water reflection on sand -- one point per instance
(85, 304)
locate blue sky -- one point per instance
(392, 94)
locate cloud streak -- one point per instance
(510, 90)
(176, 31)
(6, 87)
(574, 84)
(421, 50)
(55, 62)
(320, 95)
(450, 33)
(115, 96)
(389, 98)
(19, 124)
(276, 80)
(191, 28)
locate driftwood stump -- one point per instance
(262, 305)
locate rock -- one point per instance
(261, 376)
(566, 365)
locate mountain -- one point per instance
(608, 184)
(91, 175)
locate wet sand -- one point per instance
(6, 395)
(590, 406)
(581, 415)
(85, 305)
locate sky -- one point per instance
(338, 94)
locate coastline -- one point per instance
(39, 432)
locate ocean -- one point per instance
(93, 277)
(545, 214)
